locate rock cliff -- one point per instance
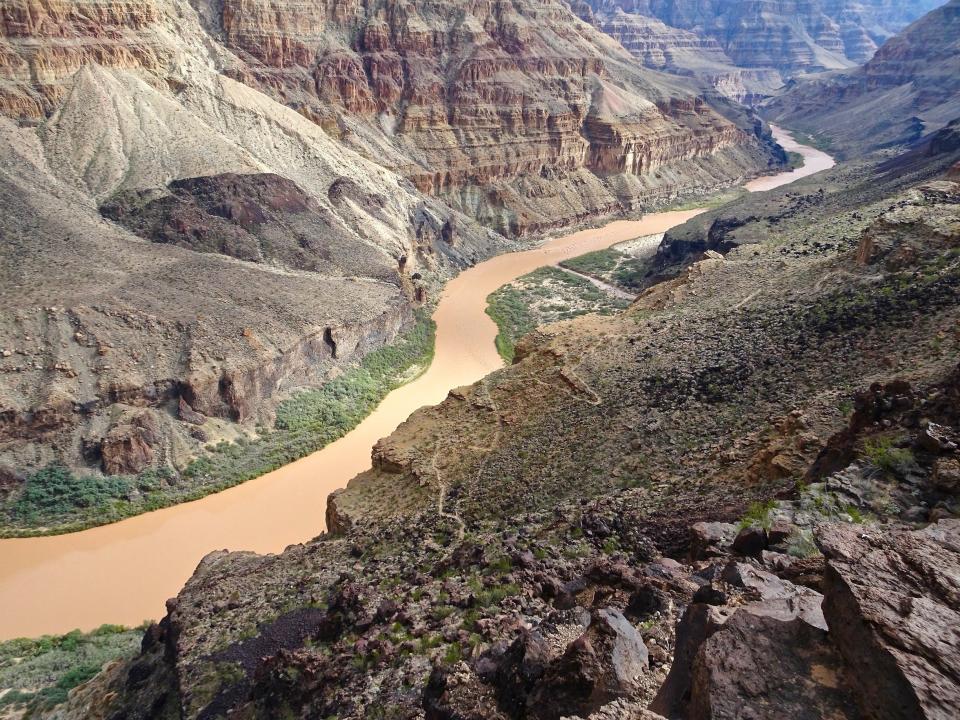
(510, 112)
(756, 459)
(657, 45)
(220, 203)
(747, 50)
(515, 113)
(907, 90)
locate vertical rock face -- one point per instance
(660, 46)
(766, 41)
(514, 112)
(892, 604)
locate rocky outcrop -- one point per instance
(907, 90)
(891, 602)
(257, 218)
(128, 446)
(901, 237)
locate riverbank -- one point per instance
(55, 501)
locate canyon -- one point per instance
(909, 89)
(257, 516)
(748, 50)
(216, 208)
(756, 458)
(238, 234)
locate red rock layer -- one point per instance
(44, 41)
(471, 94)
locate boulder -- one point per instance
(946, 474)
(763, 668)
(772, 603)
(188, 414)
(750, 541)
(709, 539)
(780, 532)
(601, 665)
(892, 599)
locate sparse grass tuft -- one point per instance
(888, 458)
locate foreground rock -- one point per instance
(893, 605)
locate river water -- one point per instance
(123, 573)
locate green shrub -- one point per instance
(41, 671)
(884, 455)
(758, 515)
(507, 309)
(55, 492)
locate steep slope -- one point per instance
(557, 540)
(105, 336)
(753, 46)
(910, 88)
(167, 166)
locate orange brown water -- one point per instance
(122, 573)
(813, 161)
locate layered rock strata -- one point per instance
(906, 91)
(786, 36)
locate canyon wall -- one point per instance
(909, 89)
(204, 198)
(748, 49)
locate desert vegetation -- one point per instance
(546, 295)
(38, 673)
(58, 499)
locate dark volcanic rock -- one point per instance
(262, 218)
(751, 540)
(892, 600)
(596, 668)
(760, 667)
(708, 539)
(776, 608)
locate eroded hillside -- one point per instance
(747, 50)
(907, 90)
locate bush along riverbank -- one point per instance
(37, 674)
(547, 295)
(57, 500)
